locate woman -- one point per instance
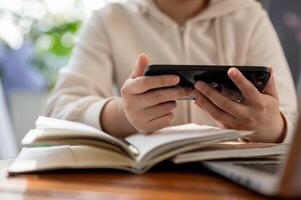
(228, 32)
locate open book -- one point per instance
(59, 144)
(232, 150)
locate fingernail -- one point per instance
(233, 72)
(176, 79)
(199, 85)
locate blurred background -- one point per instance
(36, 39)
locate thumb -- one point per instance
(141, 64)
(270, 88)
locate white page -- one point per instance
(88, 156)
(37, 159)
(46, 127)
(211, 153)
(51, 123)
(147, 143)
(62, 157)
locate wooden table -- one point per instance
(166, 181)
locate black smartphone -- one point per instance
(214, 75)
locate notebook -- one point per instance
(59, 144)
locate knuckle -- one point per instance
(251, 91)
(173, 105)
(260, 105)
(162, 81)
(144, 82)
(124, 90)
(169, 119)
(208, 91)
(225, 105)
(168, 106)
(167, 80)
(166, 120)
(159, 95)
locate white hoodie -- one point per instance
(227, 32)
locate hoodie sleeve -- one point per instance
(85, 85)
(265, 49)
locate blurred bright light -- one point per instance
(47, 12)
(34, 9)
(44, 42)
(12, 5)
(11, 34)
(68, 40)
(60, 6)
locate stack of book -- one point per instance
(58, 144)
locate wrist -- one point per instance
(113, 112)
(129, 128)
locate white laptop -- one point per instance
(270, 177)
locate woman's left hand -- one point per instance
(258, 111)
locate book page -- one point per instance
(231, 150)
(164, 138)
(38, 159)
(68, 157)
(95, 157)
(52, 123)
(237, 145)
(55, 129)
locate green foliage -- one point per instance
(56, 35)
(53, 48)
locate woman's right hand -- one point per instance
(146, 101)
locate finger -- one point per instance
(146, 83)
(159, 123)
(270, 88)
(157, 111)
(141, 64)
(248, 90)
(164, 95)
(235, 109)
(216, 113)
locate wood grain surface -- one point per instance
(166, 181)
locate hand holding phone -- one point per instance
(147, 102)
